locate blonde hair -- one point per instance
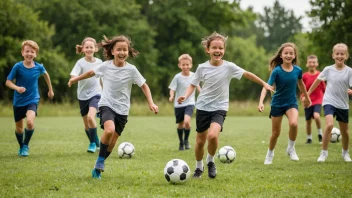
(341, 45)
(312, 56)
(185, 57)
(108, 44)
(32, 44)
(80, 47)
(277, 60)
(208, 39)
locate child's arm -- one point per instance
(172, 95)
(256, 79)
(148, 95)
(189, 91)
(48, 82)
(261, 100)
(83, 76)
(12, 85)
(313, 86)
(198, 89)
(306, 99)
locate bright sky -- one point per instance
(299, 7)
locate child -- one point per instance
(316, 97)
(114, 104)
(284, 75)
(184, 111)
(26, 96)
(335, 100)
(213, 100)
(88, 90)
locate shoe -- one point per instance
(211, 170)
(25, 151)
(96, 174)
(269, 159)
(92, 148)
(181, 147)
(346, 157)
(187, 146)
(309, 141)
(323, 156)
(197, 173)
(320, 137)
(99, 164)
(292, 153)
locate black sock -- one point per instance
(87, 133)
(27, 136)
(96, 139)
(187, 131)
(107, 154)
(19, 137)
(103, 150)
(92, 134)
(180, 133)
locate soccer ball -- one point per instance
(125, 150)
(335, 135)
(227, 154)
(177, 171)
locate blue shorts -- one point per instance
(182, 111)
(85, 104)
(108, 114)
(341, 114)
(280, 111)
(309, 112)
(205, 118)
(20, 112)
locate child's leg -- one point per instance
(317, 120)
(329, 124)
(92, 125)
(309, 131)
(19, 134)
(180, 132)
(187, 129)
(275, 131)
(86, 128)
(112, 144)
(213, 138)
(292, 115)
(199, 147)
(29, 127)
(345, 135)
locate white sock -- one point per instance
(209, 158)
(309, 136)
(320, 132)
(291, 144)
(325, 151)
(199, 164)
(344, 152)
(270, 152)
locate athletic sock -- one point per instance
(180, 133)
(107, 154)
(309, 136)
(320, 132)
(103, 150)
(19, 137)
(291, 144)
(270, 152)
(87, 133)
(27, 136)
(187, 131)
(210, 158)
(92, 134)
(199, 164)
(344, 152)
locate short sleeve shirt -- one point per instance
(180, 84)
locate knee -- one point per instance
(187, 125)
(212, 138)
(329, 127)
(293, 124)
(109, 131)
(19, 130)
(275, 134)
(200, 142)
(30, 124)
(90, 118)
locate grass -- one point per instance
(59, 166)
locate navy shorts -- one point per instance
(341, 114)
(309, 112)
(205, 118)
(20, 112)
(108, 114)
(182, 111)
(85, 104)
(280, 111)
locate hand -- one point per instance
(70, 82)
(154, 108)
(51, 94)
(261, 107)
(307, 102)
(181, 99)
(349, 91)
(302, 99)
(171, 99)
(269, 88)
(21, 90)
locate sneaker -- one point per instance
(292, 153)
(99, 164)
(96, 174)
(19, 152)
(320, 137)
(309, 141)
(25, 151)
(269, 159)
(323, 156)
(92, 148)
(346, 157)
(211, 170)
(187, 146)
(181, 147)
(197, 173)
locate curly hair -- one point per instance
(108, 44)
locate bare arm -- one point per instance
(83, 76)
(198, 89)
(306, 100)
(172, 95)
(148, 95)
(256, 79)
(189, 91)
(261, 100)
(48, 82)
(313, 86)
(12, 85)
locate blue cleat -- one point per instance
(92, 148)
(25, 151)
(96, 174)
(99, 164)
(19, 152)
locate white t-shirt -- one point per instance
(180, 84)
(117, 83)
(89, 87)
(216, 81)
(338, 81)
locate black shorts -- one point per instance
(85, 104)
(280, 111)
(20, 112)
(309, 112)
(205, 118)
(182, 111)
(108, 114)
(341, 114)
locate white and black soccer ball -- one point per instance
(335, 135)
(125, 150)
(227, 154)
(177, 171)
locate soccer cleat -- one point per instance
(25, 151)
(320, 137)
(346, 157)
(181, 147)
(269, 159)
(211, 170)
(197, 173)
(323, 156)
(187, 146)
(99, 164)
(292, 153)
(309, 141)
(19, 152)
(96, 174)
(92, 148)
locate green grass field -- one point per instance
(59, 166)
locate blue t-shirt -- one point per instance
(27, 78)
(286, 85)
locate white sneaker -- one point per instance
(269, 159)
(346, 157)
(292, 153)
(323, 156)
